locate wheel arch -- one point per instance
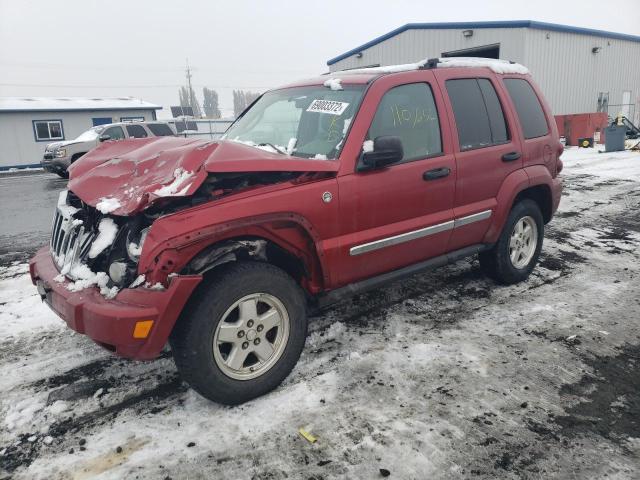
(282, 240)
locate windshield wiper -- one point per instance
(267, 144)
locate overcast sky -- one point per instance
(139, 47)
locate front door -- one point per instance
(399, 215)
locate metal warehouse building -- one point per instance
(28, 124)
(580, 70)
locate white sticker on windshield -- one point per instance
(328, 106)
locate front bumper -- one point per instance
(55, 165)
(111, 323)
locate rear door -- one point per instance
(399, 215)
(487, 149)
(537, 139)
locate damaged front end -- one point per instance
(90, 248)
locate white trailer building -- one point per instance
(580, 70)
(28, 124)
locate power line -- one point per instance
(263, 87)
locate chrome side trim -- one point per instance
(476, 217)
(403, 237)
(415, 234)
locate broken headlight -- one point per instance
(134, 245)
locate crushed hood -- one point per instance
(125, 177)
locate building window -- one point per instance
(132, 119)
(47, 130)
(101, 121)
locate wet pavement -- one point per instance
(27, 201)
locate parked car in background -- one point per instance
(59, 155)
(322, 189)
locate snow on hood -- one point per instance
(65, 143)
(125, 177)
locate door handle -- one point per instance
(436, 173)
(511, 156)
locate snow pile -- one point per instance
(265, 147)
(333, 84)
(180, 176)
(108, 205)
(107, 230)
(22, 413)
(498, 66)
(85, 278)
(21, 309)
(320, 156)
(335, 330)
(367, 146)
(291, 146)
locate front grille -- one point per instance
(70, 241)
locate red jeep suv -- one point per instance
(320, 189)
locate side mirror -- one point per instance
(104, 138)
(387, 150)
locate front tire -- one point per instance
(242, 332)
(514, 256)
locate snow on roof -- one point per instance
(498, 66)
(54, 104)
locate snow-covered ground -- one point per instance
(445, 375)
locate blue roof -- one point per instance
(497, 24)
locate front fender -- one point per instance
(289, 231)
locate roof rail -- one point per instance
(497, 65)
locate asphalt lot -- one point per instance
(27, 203)
(444, 376)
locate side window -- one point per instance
(115, 133)
(409, 112)
(530, 113)
(160, 129)
(494, 111)
(136, 131)
(478, 113)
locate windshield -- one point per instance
(89, 135)
(308, 122)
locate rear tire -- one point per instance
(64, 174)
(514, 256)
(242, 332)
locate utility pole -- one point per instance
(191, 95)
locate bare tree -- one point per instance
(210, 103)
(242, 99)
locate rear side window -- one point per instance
(478, 113)
(530, 113)
(136, 131)
(409, 112)
(160, 129)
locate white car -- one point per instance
(59, 155)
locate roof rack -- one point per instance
(497, 65)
